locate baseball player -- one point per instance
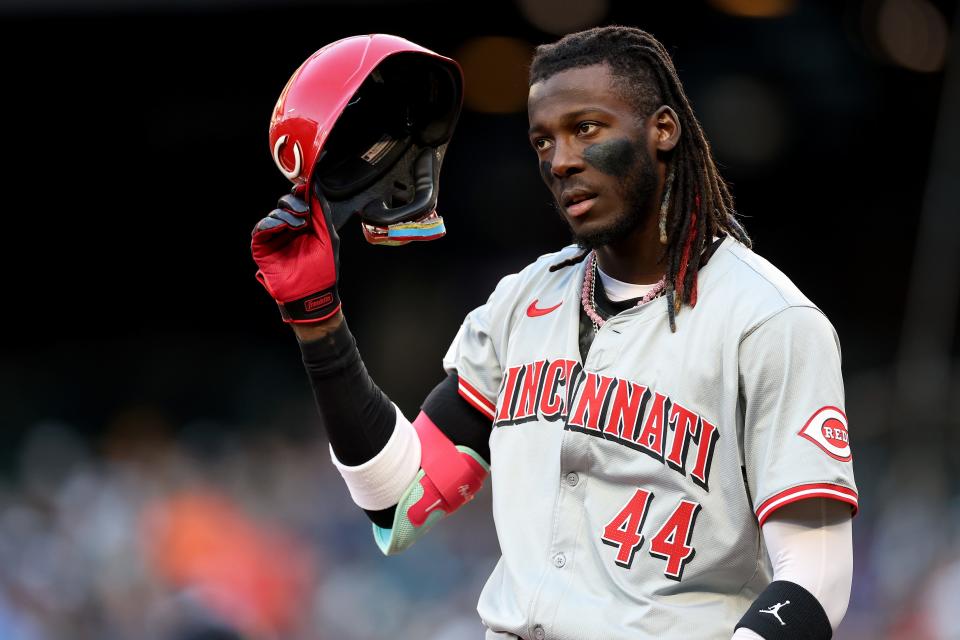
(659, 409)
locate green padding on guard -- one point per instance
(403, 533)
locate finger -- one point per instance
(277, 221)
(268, 226)
(294, 204)
(289, 217)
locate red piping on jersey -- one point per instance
(476, 399)
(803, 492)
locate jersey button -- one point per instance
(539, 633)
(559, 560)
(573, 478)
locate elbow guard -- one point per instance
(449, 477)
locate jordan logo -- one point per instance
(774, 609)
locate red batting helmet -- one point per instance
(366, 121)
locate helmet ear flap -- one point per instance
(425, 172)
(406, 192)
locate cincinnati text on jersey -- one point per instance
(614, 409)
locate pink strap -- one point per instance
(440, 460)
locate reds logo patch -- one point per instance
(827, 429)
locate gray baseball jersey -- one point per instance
(629, 486)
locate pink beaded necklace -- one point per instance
(587, 292)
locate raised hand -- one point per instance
(297, 251)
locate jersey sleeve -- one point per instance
(475, 353)
(795, 438)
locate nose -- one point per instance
(566, 160)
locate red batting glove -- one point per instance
(297, 251)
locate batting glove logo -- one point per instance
(316, 303)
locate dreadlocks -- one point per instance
(702, 205)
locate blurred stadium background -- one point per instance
(162, 472)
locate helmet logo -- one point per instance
(297, 155)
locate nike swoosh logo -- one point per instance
(533, 311)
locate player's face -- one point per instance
(594, 154)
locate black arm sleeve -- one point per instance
(358, 416)
(458, 420)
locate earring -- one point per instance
(664, 205)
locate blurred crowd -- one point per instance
(203, 533)
(218, 537)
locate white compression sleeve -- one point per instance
(379, 482)
(811, 543)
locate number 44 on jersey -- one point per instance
(671, 542)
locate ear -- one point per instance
(667, 128)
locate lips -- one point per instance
(576, 202)
(580, 208)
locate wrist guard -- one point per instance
(787, 611)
